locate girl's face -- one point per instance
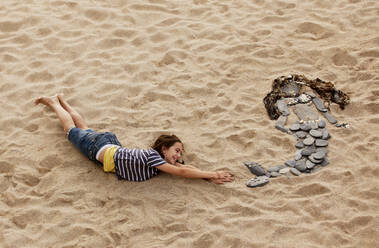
(173, 153)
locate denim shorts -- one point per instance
(89, 142)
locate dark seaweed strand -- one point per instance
(326, 90)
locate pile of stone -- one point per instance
(310, 132)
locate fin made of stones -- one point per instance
(329, 117)
(280, 123)
(305, 112)
(255, 168)
(283, 107)
(258, 182)
(319, 104)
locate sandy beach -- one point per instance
(198, 69)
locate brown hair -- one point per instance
(165, 141)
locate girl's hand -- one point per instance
(222, 177)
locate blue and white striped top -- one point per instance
(137, 164)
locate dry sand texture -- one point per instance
(199, 69)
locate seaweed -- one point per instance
(292, 85)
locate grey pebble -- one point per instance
(305, 112)
(309, 164)
(284, 170)
(313, 160)
(319, 155)
(275, 168)
(321, 142)
(282, 120)
(298, 155)
(295, 171)
(325, 134)
(300, 165)
(325, 162)
(314, 125)
(275, 174)
(290, 163)
(301, 134)
(308, 141)
(282, 106)
(280, 123)
(316, 133)
(311, 94)
(322, 149)
(316, 168)
(281, 128)
(295, 127)
(308, 151)
(330, 118)
(258, 181)
(299, 144)
(319, 104)
(321, 124)
(305, 126)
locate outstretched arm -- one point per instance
(218, 177)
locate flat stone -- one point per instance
(282, 129)
(305, 126)
(284, 170)
(319, 104)
(290, 163)
(300, 165)
(295, 171)
(319, 155)
(321, 124)
(308, 151)
(309, 164)
(316, 168)
(275, 168)
(325, 134)
(311, 94)
(308, 141)
(283, 107)
(301, 134)
(298, 155)
(314, 124)
(305, 112)
(321, 142)
(329, 117)
(325, 162)
(255, 168)
(258, 181)
(315, 133)
(299, 144)
(322, 149)
(280, 123)
(295, 127)
(313, 160)
(275, 174)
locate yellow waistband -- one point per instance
(108, 161)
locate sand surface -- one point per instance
(199, 69)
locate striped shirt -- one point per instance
(137, 164)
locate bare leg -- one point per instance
(76, 117)
(52, 102)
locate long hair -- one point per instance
(165, 141)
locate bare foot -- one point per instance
(48, 101)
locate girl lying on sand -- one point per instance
(129, 164)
